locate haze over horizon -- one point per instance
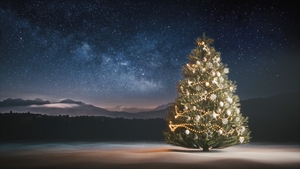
(129, 53)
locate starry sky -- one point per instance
(130, 52)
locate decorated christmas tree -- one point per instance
(206, 112)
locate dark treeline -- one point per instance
(37, 127)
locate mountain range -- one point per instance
(75, 108)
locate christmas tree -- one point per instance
(206, 112)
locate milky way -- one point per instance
(130, 53)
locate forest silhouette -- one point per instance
(37, 127)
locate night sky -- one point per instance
(130, 53)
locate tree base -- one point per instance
(205, 149)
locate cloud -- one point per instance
(57, 105)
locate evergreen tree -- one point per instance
(206, 112)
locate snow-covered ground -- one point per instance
(145, 155)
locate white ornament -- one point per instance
(209, 65)
(187, 93)
(220, 131)
(204, 59)
(241, 139)
(216, 59)
(197, 118)
(187, 132)
(237, 110)
(215, 81)
(221, 79)
(203, 97)
(231, 88)
(206, 83)
(242, 129)
(189, 82)
(221, 86)
(188, 118)
(224, 121)
(237, 119)
(185, 107)
(194, 108)
(228, 112)
(214, 115)
(219, 110)
(213, 97)
(198, 88)
(198, 62)
(209, 133)
(226, 70)
(221, 104)
(218, 74)
(229, 99)
(213, 73)
(203, 69)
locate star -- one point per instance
(214, 115)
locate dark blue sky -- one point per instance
(129, 53)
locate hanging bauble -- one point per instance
(209, 65)
(198, 88)
(221, 104)
(229, 99)
(221, 86)
(220, 131)
(213, 73)
(218, 74)
(187, 132)
(224, 121)
(194, 108)
(237, 110)
(213, 97)
(237, 119)
(198, 62)
(228, 112)
(197, 118)
(226, 70)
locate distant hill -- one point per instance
(275, 118)
(20, 102)
(71, 101)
